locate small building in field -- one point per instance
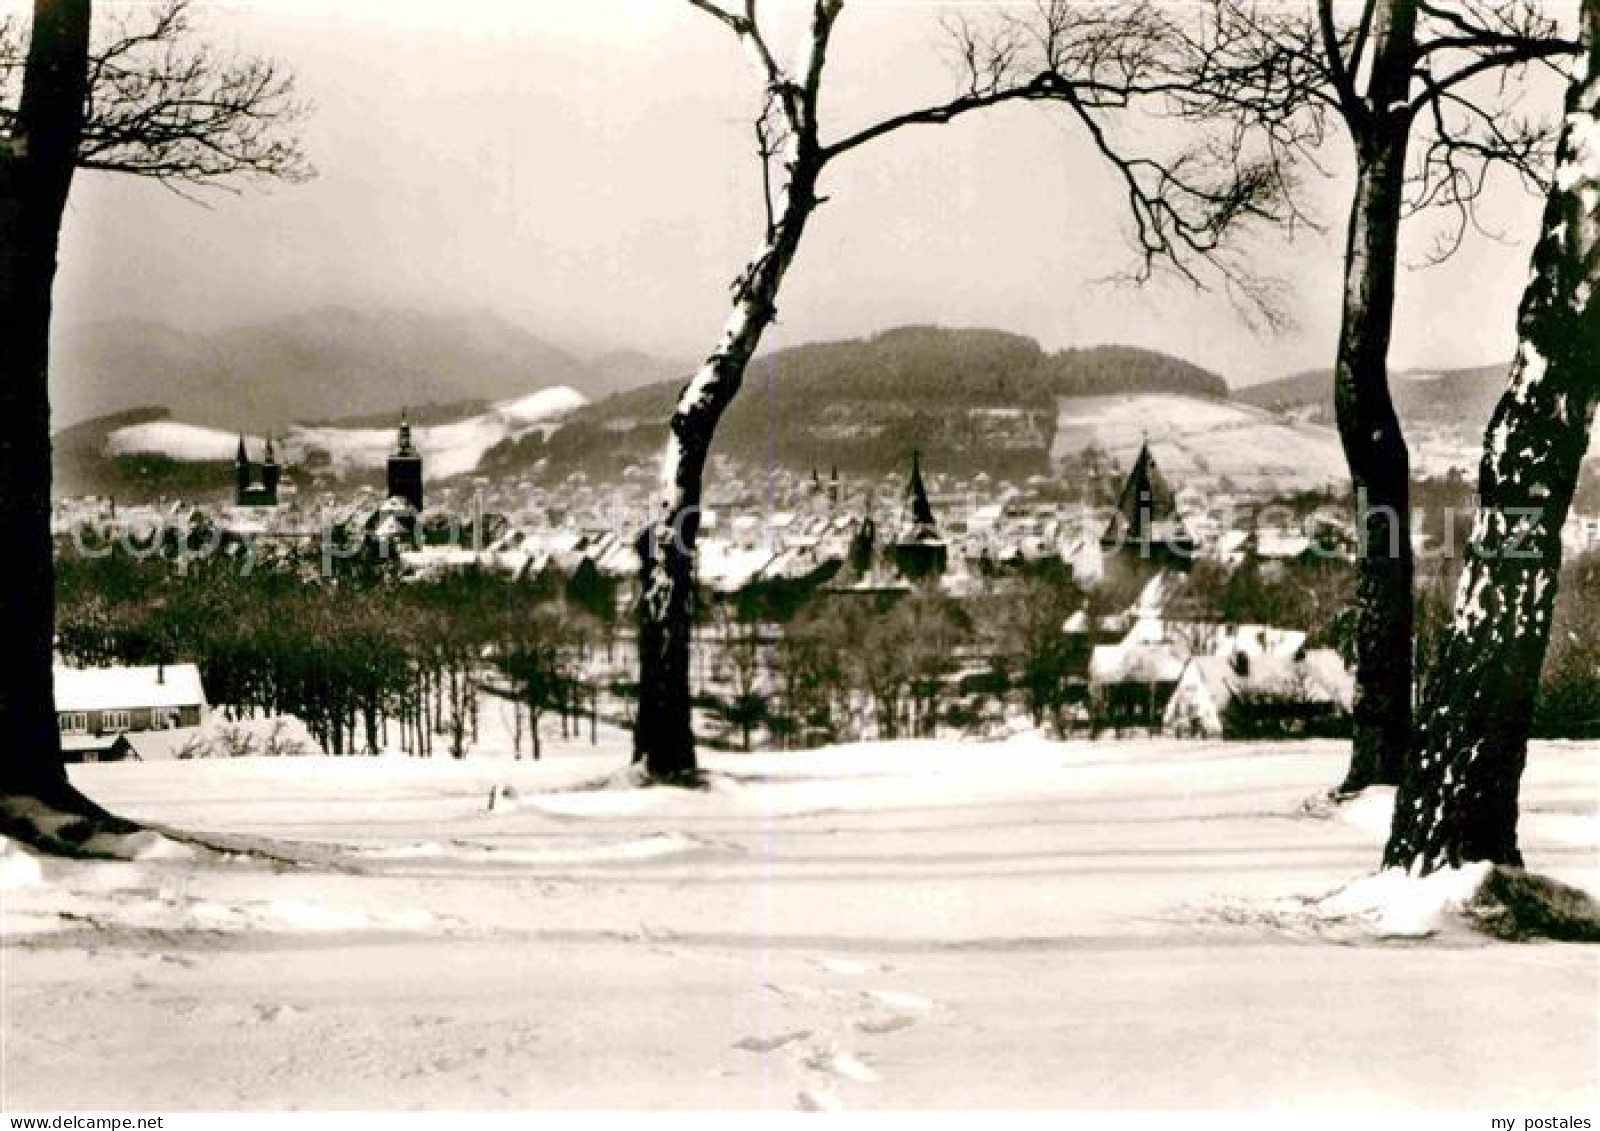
(96, 705)
(97, 748)
(1258, 695)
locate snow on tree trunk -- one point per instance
(36, 166)
(1369, 430)
(663, 734)
(1458, 799)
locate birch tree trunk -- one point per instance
(1458, 799)
(36, 167)
(1369, 430)
(663, 734)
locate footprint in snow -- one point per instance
(269, 1011)
(816, 1099)
(849, 967)
(894, 999)
(772, 1043)
(879, 1026)
(835, 1062)
(795, 990)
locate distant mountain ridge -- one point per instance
(982, 399)
(1458, 398)
(976, 399)
(330, 363)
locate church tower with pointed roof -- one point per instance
(270, 471)
(250, 488)
(404, 478)
(1146, 523)
(918, 518)
(919, 550)
(241, 473)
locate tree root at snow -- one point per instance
(63, 822)
(636, 776)
(285, 855)
(1391, 906)
(1517, 905)
(685, 779)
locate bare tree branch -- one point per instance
(1338, 73)
(747, 27)
(1276, 71)
(1517, 56)
(162, 106)
(1096, 59)
(1363, 35)
(735, 23)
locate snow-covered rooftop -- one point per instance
(106, 689)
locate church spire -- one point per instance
(403, 440)
(919, 551)
(1147, 510)
(919, 510)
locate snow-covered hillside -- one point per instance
(176, 440)
(450, 449)
(1199, 441)
(917, 924)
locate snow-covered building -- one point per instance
(1136, 678)
(1216, 638)
(1272, 547)
(94, 706)
(1130, 683)
(1254, 695)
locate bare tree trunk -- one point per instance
(36, 167)
(1374, 447)
(663, 736)
(1458, 799)
(793, 158)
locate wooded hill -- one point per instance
(981, 399)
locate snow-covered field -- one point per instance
(1197, 440)
(902, 925)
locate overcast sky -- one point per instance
(584, 168)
